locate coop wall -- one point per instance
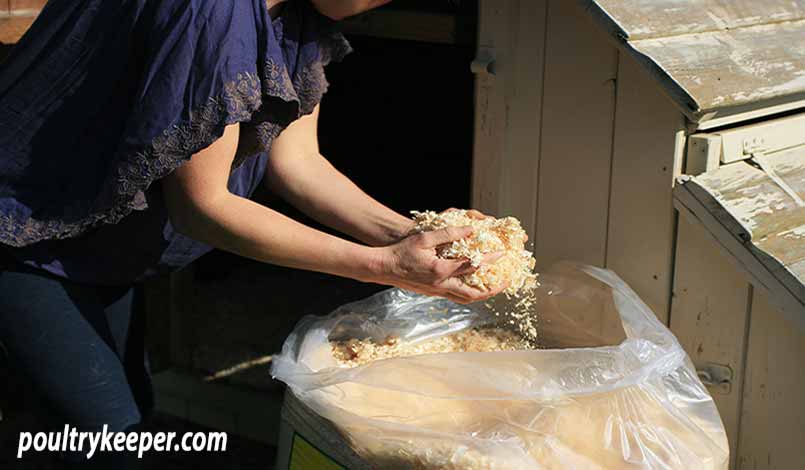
(576, 141)
(581, 144)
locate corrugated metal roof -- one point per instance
(713, 55)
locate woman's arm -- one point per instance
(302, 176)
(201, 207)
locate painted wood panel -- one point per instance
(508, 109)
(734, 67)
(761, 213)
(576, 153)
(490, 108)
(709, 315)
(717, 59)
(524, 102)
(640, 19)
(647, 154)
(773, 418)
(436, 28)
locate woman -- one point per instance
(133, 133)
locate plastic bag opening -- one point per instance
(612, 388)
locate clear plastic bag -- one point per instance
(612, 389)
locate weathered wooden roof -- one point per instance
(759, 217)
(714, 55)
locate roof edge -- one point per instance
(674, 89)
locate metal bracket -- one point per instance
(754, 145)
(716, 377)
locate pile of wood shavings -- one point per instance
(516, 267)
(353, 353)
(490, 235)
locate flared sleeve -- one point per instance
(92, 114)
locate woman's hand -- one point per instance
(412, 264)
(340, 9)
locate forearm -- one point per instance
(243, 227)
(312, 185)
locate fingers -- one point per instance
(457, 288)
(497, 290)
(445, 235)
(474, 214)
(463, 269)
(492, 258)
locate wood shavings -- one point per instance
(516, 267)
(353, 353)
(490, 235)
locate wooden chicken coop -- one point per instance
(665, 140)
(662, 139)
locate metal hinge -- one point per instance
(754, 145)
(716, 377)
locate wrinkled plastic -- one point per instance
(612, 390)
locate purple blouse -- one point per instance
(102, 98)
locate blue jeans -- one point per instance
(83, 349)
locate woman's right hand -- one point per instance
(412, 264)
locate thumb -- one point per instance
(445, 235)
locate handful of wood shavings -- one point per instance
(490, 235)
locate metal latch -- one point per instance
(716, 377)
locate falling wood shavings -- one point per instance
(221, 374)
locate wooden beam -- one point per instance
(773, 418)
(690, 205)
(436, 28)
(709, 316)
(508, 105)
(647, 154)
(576, 153)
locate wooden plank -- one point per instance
(641, 216)
(704, 153)
(508, 109)
(766, 213)
(524, 102)
(771, 135)
(436, 28)
(773, 417)
(734, 67)
(490, 108)
(691, 205)
(709, 315)
(748, 112)
(640, 19)
(719, 60)
(576, 151)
